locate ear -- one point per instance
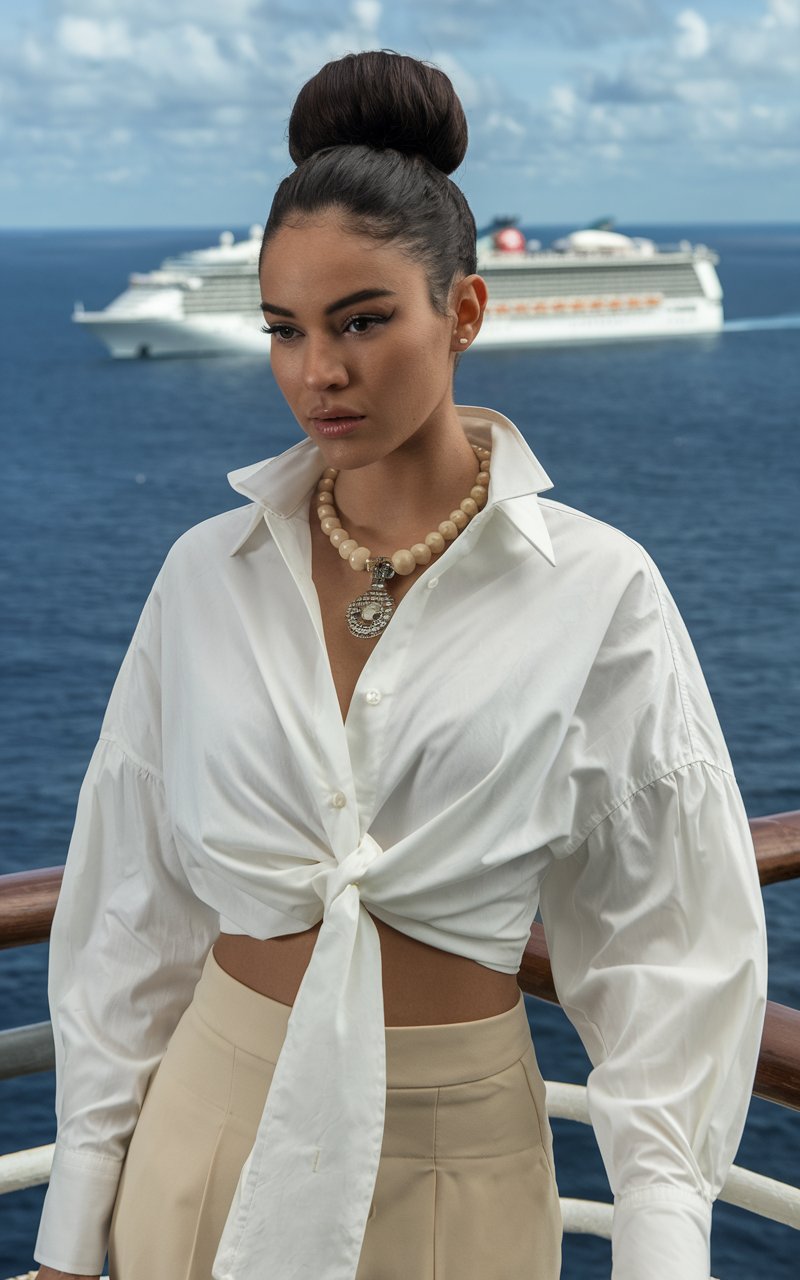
(468, 304)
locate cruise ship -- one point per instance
(594, 284)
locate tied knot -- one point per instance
(334, 877)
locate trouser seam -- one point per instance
(435, 1180)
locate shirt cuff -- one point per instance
(76, 1216)
(661, 1233)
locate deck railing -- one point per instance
(28, 900)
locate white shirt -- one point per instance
(533, 726)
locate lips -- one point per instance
(336, 422)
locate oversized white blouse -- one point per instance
(532, 729)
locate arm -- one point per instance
(656, 936)
(48, 1273)
(126, 947)
(655, 926)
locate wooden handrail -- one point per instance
(28, 900)
(778, 1072)
(777, 842)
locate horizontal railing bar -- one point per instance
(777, 842)
(25, 1050)
(778, 1201)
(28, 898)
(778, 1072)
(27, 902)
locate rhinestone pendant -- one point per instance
(369, 614)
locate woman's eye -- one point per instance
(283, 332)
(362, 324)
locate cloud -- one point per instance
(367, 14)
(97, 41)
(577, 24)
(693, 37)
(693, 88)
(138, 94)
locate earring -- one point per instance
(463, 341)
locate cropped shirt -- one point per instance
(531, 730)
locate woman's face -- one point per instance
(361, 356)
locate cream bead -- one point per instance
(358, 558)
(403, 562)
(436, 542)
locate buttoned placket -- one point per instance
(351, 752)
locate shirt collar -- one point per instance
(283, 484)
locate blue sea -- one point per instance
(690, 445)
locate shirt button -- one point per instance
(432, 582)
(338, 799)
(373, 697)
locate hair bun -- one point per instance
(380, 99)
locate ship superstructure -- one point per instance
(594, 284)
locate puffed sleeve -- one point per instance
(126, 948)
(655, 929)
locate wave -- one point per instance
(789, 321)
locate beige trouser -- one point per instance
(465, 1188)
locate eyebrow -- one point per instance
(363, 295)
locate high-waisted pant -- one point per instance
(465, 1188)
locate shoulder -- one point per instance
(211, 542)
(578, 532)
(600, 560)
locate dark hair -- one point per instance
(374, 135)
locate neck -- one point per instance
(397, 500)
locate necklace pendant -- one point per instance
(369, 614)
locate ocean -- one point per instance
(690, 445)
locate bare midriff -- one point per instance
(422, 985)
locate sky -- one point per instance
(128, 113)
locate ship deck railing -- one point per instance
(27, 904)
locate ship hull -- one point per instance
(200, 335)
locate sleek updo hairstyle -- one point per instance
(374, 136)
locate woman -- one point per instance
(335, 787)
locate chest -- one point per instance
(336, 586)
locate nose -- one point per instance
(323, 367)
